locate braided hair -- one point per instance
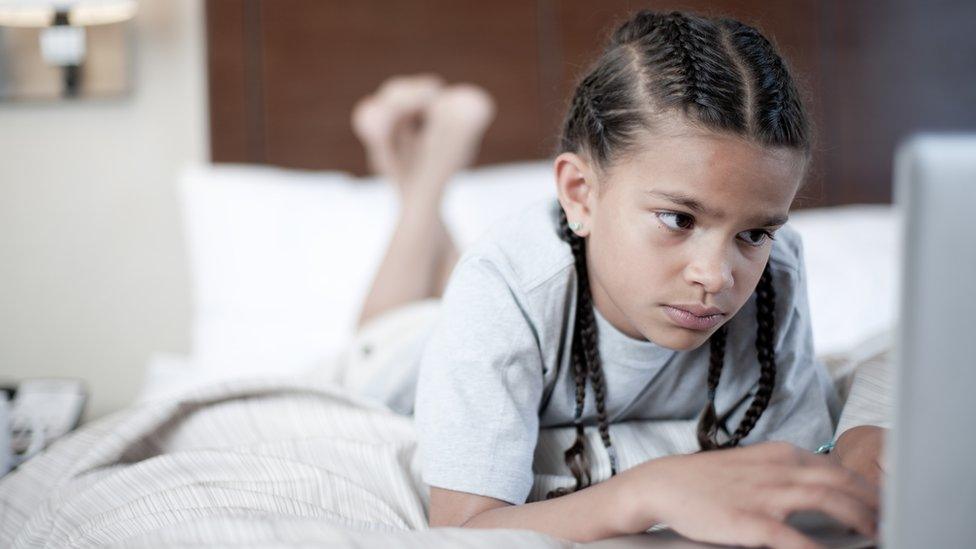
(721, 75)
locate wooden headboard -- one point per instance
(284, 74)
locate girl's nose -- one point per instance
(711, 269)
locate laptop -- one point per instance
(929, 499)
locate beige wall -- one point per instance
(93, 276)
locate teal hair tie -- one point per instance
(826, 448)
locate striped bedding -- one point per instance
(282, 462)
(261, 461)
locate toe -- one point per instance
(410, 93)
(370, 120)
(467, 103)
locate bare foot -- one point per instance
(419, 134)
(388, 123)
(454, 124)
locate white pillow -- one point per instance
(852, 260)
(281, 259)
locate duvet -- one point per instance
(266, 462)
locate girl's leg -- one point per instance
(418, 133)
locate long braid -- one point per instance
(588, 333)
(708, 422)
(586, 364)
(586, 360)
(765, 341)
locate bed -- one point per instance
(254, 439)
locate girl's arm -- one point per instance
(602, 505)
(737, 496)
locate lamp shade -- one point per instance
(41, 13)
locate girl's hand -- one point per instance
(859, 449)
(744, 495)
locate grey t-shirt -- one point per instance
(495, 369)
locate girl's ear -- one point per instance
(576, 188)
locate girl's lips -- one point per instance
(688, 320)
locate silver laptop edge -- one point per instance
(930, 499)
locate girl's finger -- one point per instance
(837, 478)
(841, 479)
(825, 468)
(758, 530)
(842, 507)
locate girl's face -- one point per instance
(683, 222)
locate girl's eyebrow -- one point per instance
(768, 220)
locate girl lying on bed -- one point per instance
(664, 284)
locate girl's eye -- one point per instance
(762, 235)
(674, 220)
(680, 222)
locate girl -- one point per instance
(663, 285)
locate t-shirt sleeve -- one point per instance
(804, 406)
(479, 388)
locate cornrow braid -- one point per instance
(640, 26)
(588, 99)
(704, 77)
(595, 109)
(781, 119)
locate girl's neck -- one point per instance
(604, 306)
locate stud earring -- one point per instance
(575, 226)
